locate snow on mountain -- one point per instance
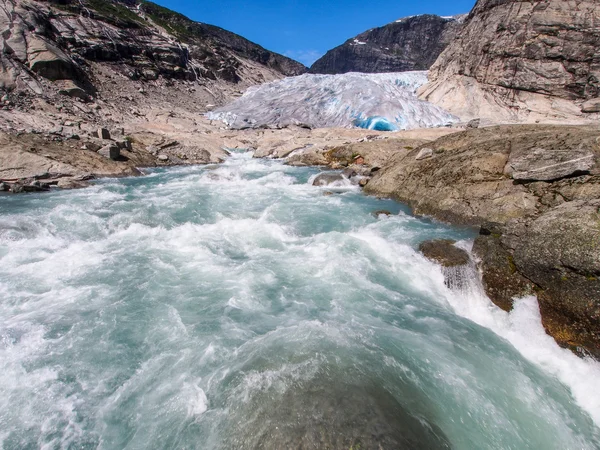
(385, 102)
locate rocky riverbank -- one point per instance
(535, 192)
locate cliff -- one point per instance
(522, 61)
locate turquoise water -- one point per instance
(239, 307)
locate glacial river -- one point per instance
(239, 307)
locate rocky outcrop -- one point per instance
(535, 192)
(521, 60)
(444, 252)
(412, 43)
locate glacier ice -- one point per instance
(383, 101)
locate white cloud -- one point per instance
(306, 57)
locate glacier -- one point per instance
(383, 102)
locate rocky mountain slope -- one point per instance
(412, 43)
(522, 60)
(82, 49)
(535, 190)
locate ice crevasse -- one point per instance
(383, 102)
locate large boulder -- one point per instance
(49, 61)
(326, 179)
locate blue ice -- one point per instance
(377, 123)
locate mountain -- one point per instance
(383, 102)
(522, 61)
(412, 43)
(68, 45)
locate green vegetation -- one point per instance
(511, 264)
(175, 23)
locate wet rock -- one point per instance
(103, 133)
(4, 187)
(325, 179)
(424, 154)
(110, 151)
(363, 182)
(381, 212)
(542, 164)
(560, 252)
(349, 172)
(444, 252)
(501, 280)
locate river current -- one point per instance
(239, 307)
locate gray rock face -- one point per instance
(413, 43)
(520, 57)
(540, 164)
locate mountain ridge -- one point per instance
(407, 44)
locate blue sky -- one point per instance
(306, 29)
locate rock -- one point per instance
(501, 281)
(467, 181)
(516, 60)
(424, 154)
(473, 123)
(381, 212)
(363, 182)
(326, 179)
(4, 187)
(163, 158)
(72, 184)
(103, 133)
(70, 89)
(444, 252)
(591, 106)
(110, 151)
(124, 144)
(349, 172)
(49, 61)
(543, 164)
(16, 188)
(560, 252)
(412, 43)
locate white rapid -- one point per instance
(385, 102)
(237, 306)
